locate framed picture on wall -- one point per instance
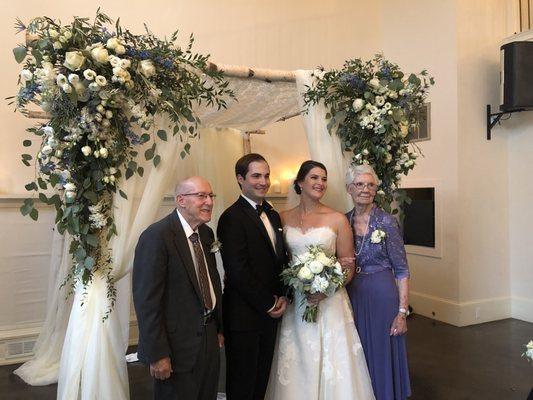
(422, 131)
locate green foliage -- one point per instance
(372, 105)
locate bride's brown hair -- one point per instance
(304, 170)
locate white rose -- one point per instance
(47, 150)
(358, 104)
(325, 260)
(120, 49)
(69, 194)
(109, 114)
(125, 64)
(319, 285)
(381, 192)
(112, 170)
(89, 74)
(61, 80)
(305, 274)
(147, 68)
(114, 61)
(96, 154)
(365, 152)
(106, 123)
(315, 267)
(74, 60)
(26, 75)
(103, 152)
(48, 130)
(101, 80)
(112, 43)
(380, 100)
(375, 237)
(58, 45)
(112, 179)
(106, 179)
(94, 86)
(374, 83)
(59, 153)
(67, 88)
(67, 34)
(73, 78)
(99, 54)
(53, 33)
(70, 186)
(86, 150)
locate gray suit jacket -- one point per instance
(167, 296)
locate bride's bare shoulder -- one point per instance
(288, 215)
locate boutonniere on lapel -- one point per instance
(377, 236)
(215, 246)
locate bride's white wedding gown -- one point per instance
(322, 360)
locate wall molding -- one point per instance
(469, 312)
(522, 308)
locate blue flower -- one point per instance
(167, 63)
(144, 55)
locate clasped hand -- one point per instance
(279, 308)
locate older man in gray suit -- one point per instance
(177, 297)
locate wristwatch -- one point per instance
(403, 311)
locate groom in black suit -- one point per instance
(253, 255)
(177, 297)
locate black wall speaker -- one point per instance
(516, 76)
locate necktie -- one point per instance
(202, 271)
(260, 209)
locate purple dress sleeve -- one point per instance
(395, 246)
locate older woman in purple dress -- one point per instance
(379, 292)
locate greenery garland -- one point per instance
(373, 106)
(102, 90)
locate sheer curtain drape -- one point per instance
(324, 147)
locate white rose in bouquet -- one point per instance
(147, 68)
(320, 284)
(305, 274)
(325, 260)
(61, 80)
(338, 268)
(120, 49)
(46, 150)
(316, 267)
(358, 104)
(74, 60)
(99, 54)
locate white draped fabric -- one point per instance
(92, 352)
(324, 147)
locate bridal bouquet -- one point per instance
(314, 272)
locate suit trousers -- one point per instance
(201, 383)
(248, 361)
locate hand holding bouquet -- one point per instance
(314, 272)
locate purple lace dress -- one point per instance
(375, 301)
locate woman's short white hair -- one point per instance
(355, 170)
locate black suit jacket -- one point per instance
(251, 264)
(167, 296)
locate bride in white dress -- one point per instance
(322, 360)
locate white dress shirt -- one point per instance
(188, 232)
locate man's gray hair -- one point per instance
(355, 170)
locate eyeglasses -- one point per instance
(361, 186)
(200, 195)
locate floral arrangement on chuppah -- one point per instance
(372, 106)
(529, 351)
(101, 90)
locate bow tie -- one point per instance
(260, 209)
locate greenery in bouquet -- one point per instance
(101, 90)
(372, 106)
(313, 272)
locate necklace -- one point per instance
(302, 213)
(355, 232)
